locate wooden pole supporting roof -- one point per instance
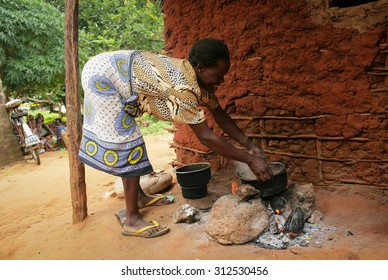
(73, 110)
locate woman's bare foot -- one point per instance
(137, 226)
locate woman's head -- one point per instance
(208, 52)
(39, 117)
(210, 60)
(58, 121)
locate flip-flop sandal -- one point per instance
(121, 216)
(142, 232)
(157, 198)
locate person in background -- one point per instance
(61, 133)
(44, 132)
(32, 123)
(121, 85)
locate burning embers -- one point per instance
(288, 212)
(276, 205)
(288, 228)
(293, 226)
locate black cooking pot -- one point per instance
(276, 185)
(193, 179)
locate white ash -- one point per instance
(312, 234)
(275, 238)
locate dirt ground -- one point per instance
(36, 219)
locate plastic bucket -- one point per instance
(193, 179)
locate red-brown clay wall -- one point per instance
(302, 88)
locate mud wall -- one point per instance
(307, 82)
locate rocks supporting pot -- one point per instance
(234, 222)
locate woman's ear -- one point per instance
(199, 68)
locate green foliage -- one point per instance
(114, 25)
(59, 4)
(48, 117)
(31, 46)
(32, 39)
(151, 125)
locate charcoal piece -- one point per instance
(280, 222)
(277, 202)
(295, 221)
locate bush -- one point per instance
(148, 124)
(48, 117)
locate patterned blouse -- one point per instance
(168, 89)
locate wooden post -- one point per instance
(386, 58)
(73, 110)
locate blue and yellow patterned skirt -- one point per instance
(111, 140)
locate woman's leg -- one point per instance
(134, 221)
(48, 146)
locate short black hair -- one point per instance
(208, 52)
(39, 116)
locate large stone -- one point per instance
(232, 221)
(302, 196)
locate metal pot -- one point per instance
(269, 188)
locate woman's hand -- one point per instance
(261, 168)
(256, 151)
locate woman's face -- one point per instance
(210, 78)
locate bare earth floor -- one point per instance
(36, 219)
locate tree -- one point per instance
(113, 25)
(106, 25)
(31, 48)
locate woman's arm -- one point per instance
(217, 144)
(49, 131)
(228, 125)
